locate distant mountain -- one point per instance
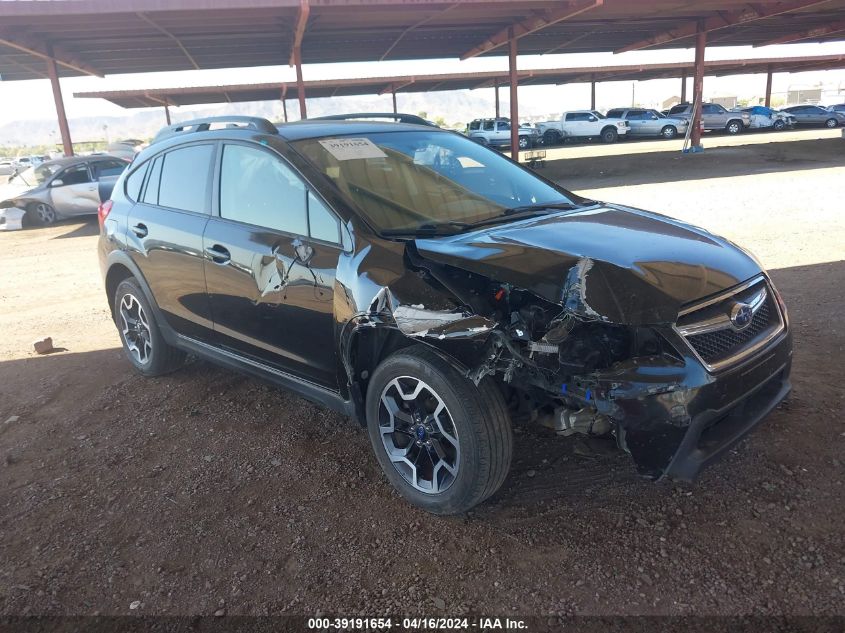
(459, 106)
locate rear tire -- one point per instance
(831, 123)
(442, 442)
(524, 143)
(40, 214)
(552, 137)
(609, 135)
(142, 340)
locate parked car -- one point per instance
(60, 188)
(646, 122)
(812, 115)
(7, 167)
(583, 124)
(764, 118)
(714, 117)
(431, 288)
(497, 133)
(839, 107)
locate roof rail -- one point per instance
(203, 125)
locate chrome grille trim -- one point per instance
(765, 297)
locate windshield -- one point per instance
(408, 182)
(598, 114)
(35, 176)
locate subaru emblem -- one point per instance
(741, 315)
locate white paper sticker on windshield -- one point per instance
(352, 148)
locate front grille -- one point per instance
(715, 345)
(708, 329)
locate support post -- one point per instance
(496, 84)
(593, 91)
(285, 109)
(300, 85)
(514, 103)
(64, 129)
(393, 92)
(683, 86)
(769, 88)
(698, 86)
(167, 114)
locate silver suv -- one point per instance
(714, 117)
(497, 133)
(645, 122)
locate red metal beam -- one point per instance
(496, 87)
(396, 87)
(698, 85)
(530, 25)
(514, 83)
(299, 30)
(167, 114)
(64, 129)
(749, 13)
(29, 44)
(809, 34)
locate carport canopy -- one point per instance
(100, 37)
(146, 98)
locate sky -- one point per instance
(31, 100)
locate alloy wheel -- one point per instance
(419, 434)
(46, 214)
(136, 329)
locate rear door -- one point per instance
(271, 253)
(77, 192)
(164, 236)
(636, 120)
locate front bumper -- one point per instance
(675, 420)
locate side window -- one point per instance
(134, 182)
(488, 126)
(503, 126)
(107, 168)
(474, 125)
(258, 188)
(151, 190)
(184, 178)
(322, 223)
(615, 114)
(76, 175)
(635, 115)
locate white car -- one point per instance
(583, 124)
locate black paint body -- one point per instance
(322, 329)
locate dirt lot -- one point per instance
(206, 488)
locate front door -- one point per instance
(270, 259)
(74, 192)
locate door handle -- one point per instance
(218, 254)
(140, 230)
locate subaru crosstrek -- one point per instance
(434, 289)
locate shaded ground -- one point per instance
(206, 487)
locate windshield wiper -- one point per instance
(541, 206)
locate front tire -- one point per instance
(669, 132)
(41, 214)
(552, 137)
(779, 125)
(609, 135)
(733, 127)
(442, 442)
(142, 340)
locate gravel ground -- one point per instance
(206, 490)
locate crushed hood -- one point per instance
(609, 262)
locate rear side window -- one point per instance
(184, 178)
(258, 188)
(151, 190)
(134, 182)
(614, 114)
(106, 168)
(678, 109)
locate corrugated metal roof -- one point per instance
(129, 36)
(455, 81)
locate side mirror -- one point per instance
(593, 119)
(58, 182)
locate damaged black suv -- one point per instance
(434, 290)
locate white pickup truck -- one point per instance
(582, 124)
